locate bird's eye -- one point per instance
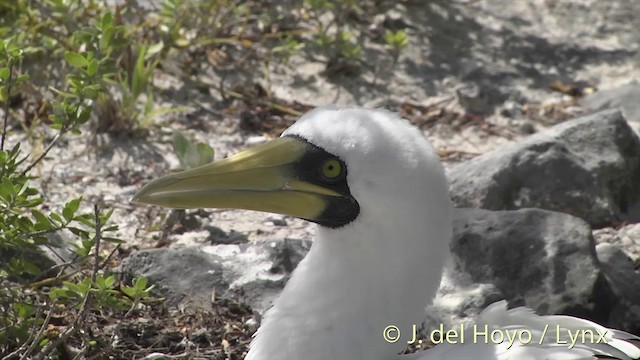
(332, 169)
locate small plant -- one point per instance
(10, 54)
(69, 66)
(397, 40)
(191, 154)
(289, 46)
(347, 46)
(32, 291)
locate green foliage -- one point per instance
(30, 291)
(398, 40)
(9, 55)
(191, 154)
(136, 82)
(81, 61)
(347, 46)
(92, 60)
(289, 46)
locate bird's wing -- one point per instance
(501, 334)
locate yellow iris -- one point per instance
(331, 169)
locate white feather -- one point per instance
(385, 266)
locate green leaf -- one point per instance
(92, 68)
(110, 228)
(57, 293)
(148, 106)
(180, 145)
(29, 268)
(154, 49)
(398, 39)
(88, 244)
(140, 283)
(106, 21)
(21, 78)
(109, 281)
(55, 217)
(140, 77)
(81, 289)
(82, 252)
(107, 36)
(29, 203)
(70, 209)
(78, 232)
(181, 42)
(91, 92)
(4, 74)
(192, 158)
(129, 291)
(24, 310)
(113, 240)
(76, 60)
(205, 153)
(104, 217)
(83, 114)
(42, 221)
(85, 219)
(100, 281)
(7, 191)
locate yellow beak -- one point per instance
(262, 178)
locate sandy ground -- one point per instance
(511, 50)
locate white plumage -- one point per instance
(383, 267)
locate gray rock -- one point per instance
(626, 98)
(179, 274)
(625, 283)
(588, 167)
(475, 100)
(256, 271)
(542, 259)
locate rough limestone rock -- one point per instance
(588, 167)
(626, 98)
(197, 274)
(625, 283)
(542, 259)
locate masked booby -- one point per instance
(379, 195)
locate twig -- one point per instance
(85, 301)
(136, 301)
(6, 106)
(54, 344)
(38, 336)
(52, 280)
(271, 104)
(81, 353)
(44, 232)
(106, 261)
(98, 238)
(45, 152)
(23, 347)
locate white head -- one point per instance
(379, 194)
(390, 165)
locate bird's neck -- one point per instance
(347, 290)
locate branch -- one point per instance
(36, 340)
(6, 106)
(45, 152)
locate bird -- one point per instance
(379, 195)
